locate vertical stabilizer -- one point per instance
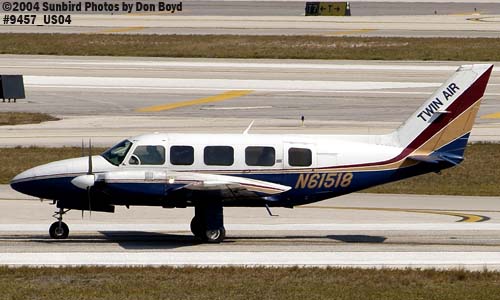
(445, 120)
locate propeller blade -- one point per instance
(88, 196)
(90, 173)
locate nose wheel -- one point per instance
(59, 230)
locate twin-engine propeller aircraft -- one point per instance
(210, 171)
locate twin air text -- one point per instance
(438, 102)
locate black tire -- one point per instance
(197, 227)
(214, 236)
(59, 233)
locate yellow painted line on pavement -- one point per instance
(471, 13)
(491, 116)
(464, 217)
(220, 97)
(122, 29)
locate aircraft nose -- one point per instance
(53, 180)
(22, 181)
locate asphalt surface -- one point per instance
(390, 229)
(105, 98)
(421, 19)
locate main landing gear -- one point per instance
(59, 230)
(208, 223)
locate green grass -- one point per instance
(478, 175)
(17, 118)
(244, 283)
(233, 46)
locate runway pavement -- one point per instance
(365, 230)
(377, 18)
(468, 25)
(112, 98)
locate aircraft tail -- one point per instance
(440, 128)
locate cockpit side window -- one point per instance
(117, 153)
(148, 155)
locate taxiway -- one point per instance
(367, 230)
(95, 99)
(418, 19)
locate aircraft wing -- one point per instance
(185, 185)
(210, 182)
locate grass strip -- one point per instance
(245, 283)
(235, 46)
(17, 118)
(478, 175)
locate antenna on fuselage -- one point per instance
(270, 212)
(248, 128)
(83, 148)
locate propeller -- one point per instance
(87, 181)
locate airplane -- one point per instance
(213, 171)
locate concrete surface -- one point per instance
(100, 97)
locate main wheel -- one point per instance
(59, 232)
(197, 227)
(215, 235)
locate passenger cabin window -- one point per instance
(218, 155)
(148, 155)
(181, 155)
(299, 157)
(260, 156)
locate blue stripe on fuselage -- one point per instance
(151, 193)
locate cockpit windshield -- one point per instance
(117, 153)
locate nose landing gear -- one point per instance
(59, 230)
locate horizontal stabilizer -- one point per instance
(437, 157)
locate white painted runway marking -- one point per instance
(256, 65)
(466, 260)
(211, 84)
(147, 65)
(262, 227)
